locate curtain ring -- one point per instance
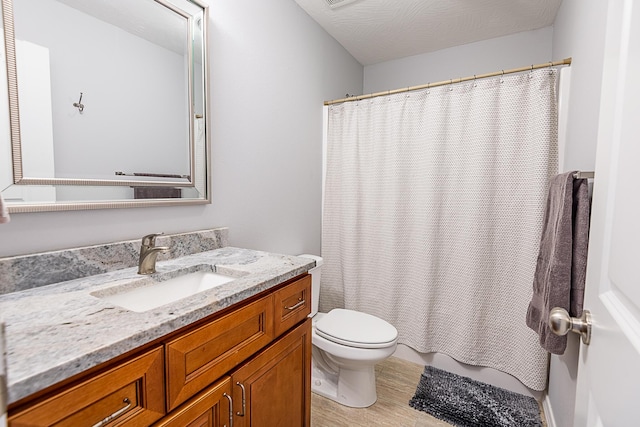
(502, 77)
(475, 83)
(450, 85)
(550, 69)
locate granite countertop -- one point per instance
(54, 332)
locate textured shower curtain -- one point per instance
(434, 201)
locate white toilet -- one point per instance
(347, 345)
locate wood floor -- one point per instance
(396, 381)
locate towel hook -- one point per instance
(79, 105)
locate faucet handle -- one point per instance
(150, 239)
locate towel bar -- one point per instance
(587, 175)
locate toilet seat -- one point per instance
(356, 329)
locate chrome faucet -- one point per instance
(149, 252)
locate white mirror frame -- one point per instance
(16, 151)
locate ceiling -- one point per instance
(146, 19)
(381, 30)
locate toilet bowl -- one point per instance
(347, 345)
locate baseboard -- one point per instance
(548, 411)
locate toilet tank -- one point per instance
(315, 282)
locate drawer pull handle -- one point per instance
(300, 303)
(230, 409)
(115, 414)
(244, 401)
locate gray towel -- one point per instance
(562, 259)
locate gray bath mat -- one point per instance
(464, 402)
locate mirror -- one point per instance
(112, 98)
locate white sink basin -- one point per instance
(157, 294)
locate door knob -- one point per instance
(561, 323)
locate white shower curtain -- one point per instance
(434, 201)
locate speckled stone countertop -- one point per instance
(56, 331)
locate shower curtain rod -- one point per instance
(566, 61)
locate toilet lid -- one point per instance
(356, 329)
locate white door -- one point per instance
(608, 391)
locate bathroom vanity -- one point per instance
(237, 354)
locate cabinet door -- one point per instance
(211, 408)
(274, 388)
(292, 304)
(198, 358)
(130, 394)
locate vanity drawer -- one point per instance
(292, 304)
(130, 394)
(197, 358)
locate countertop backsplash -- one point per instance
(24, 272)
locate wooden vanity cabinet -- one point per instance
(274, 388)
(256, 357)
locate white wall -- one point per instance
(518, 50)
(272, 67)
(579, 32)
(36, 126)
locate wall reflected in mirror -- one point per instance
(112, 102)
